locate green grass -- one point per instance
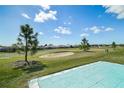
(10, 77)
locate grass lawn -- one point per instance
(10, 77)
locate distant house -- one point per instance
(2, 49)
(6, 49)
(51, 46)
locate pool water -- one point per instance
(95, 75)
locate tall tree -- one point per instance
(114, 45)
(27, 40)
(84, 44)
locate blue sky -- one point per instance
(64, 24)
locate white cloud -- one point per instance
(63, 30)
(45, 7)
(67, 23)
(86, 29)
(109, 29)
(95, 29)
(64, 23)
(56, 36)
(25, 15)
(41, 33)
(115, 9)
(102, 27)
(45, 16)
(84, 35)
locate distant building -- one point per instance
(6, 49)
(2, 49)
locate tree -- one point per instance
(14, 46)
(84, 44)
(114, 45)
(27, 40)
(45, 45)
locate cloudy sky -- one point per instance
(64, 24)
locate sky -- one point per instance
(65, 24)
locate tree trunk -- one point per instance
(26, 51)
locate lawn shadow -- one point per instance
(33, 67)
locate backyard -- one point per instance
(10, 77)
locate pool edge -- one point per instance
(36, 85)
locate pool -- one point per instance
(100, 74)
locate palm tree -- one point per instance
(27, 40)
